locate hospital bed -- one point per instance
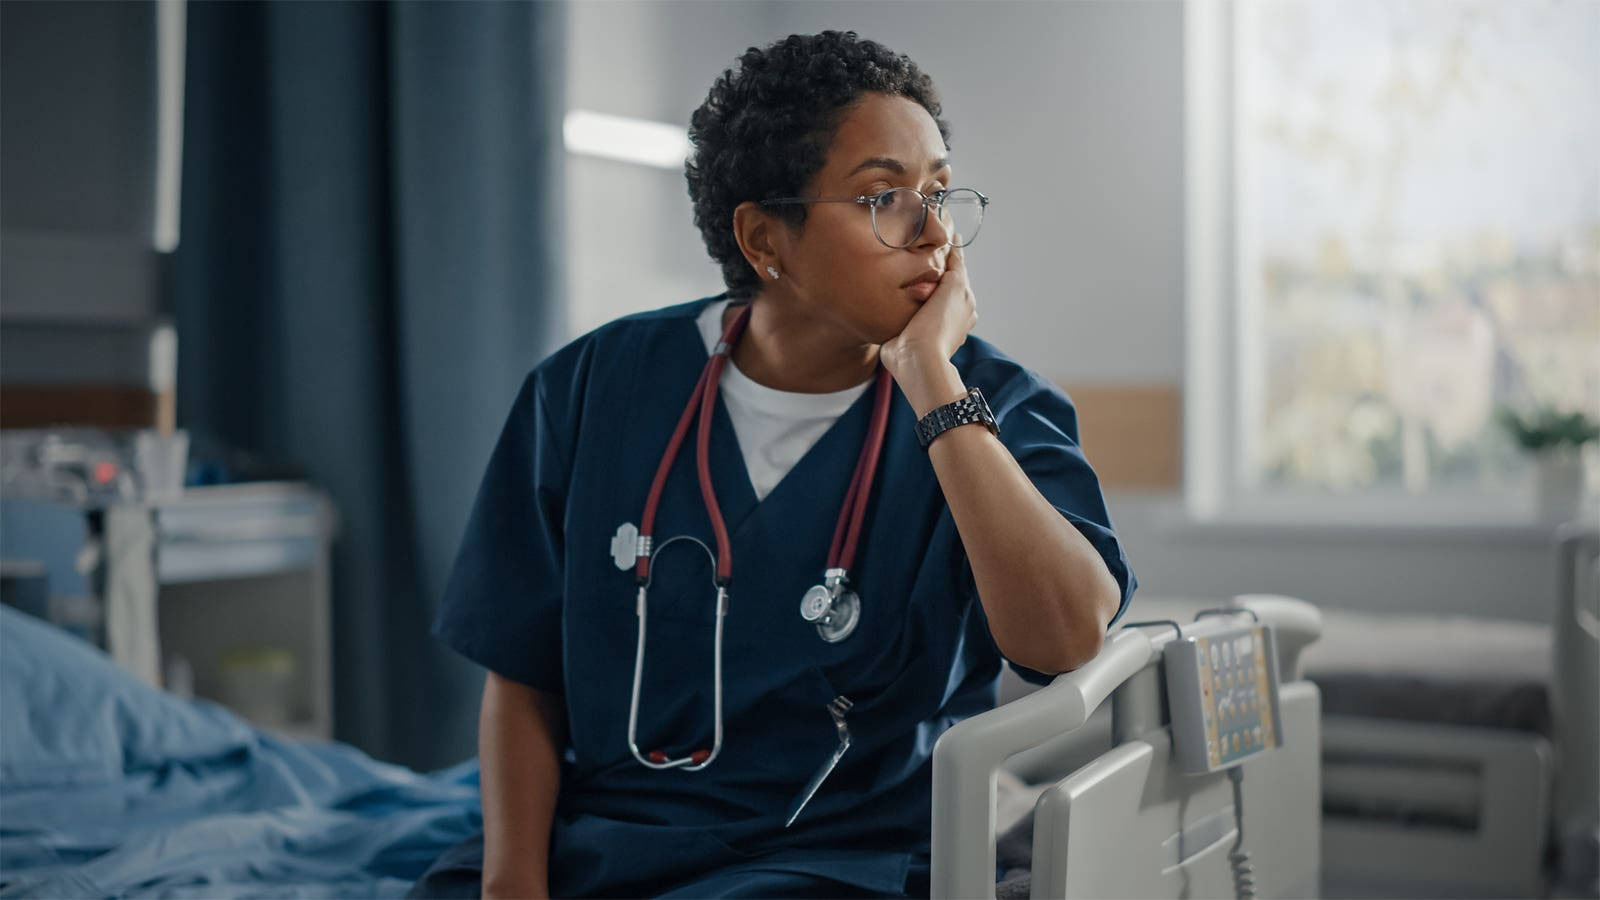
(1460, 753)
(1437, 761)
(1114, 817)
(1458, 756)
(1575, 702)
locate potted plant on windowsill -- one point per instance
(1556, 440)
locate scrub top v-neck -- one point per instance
(774, 428)
(536, 597)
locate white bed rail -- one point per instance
(968, 755)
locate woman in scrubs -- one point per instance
(978, 549)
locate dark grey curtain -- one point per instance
(370, 262)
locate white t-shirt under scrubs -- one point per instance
(774, 428)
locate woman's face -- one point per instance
(835, 266)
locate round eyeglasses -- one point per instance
(899, 214)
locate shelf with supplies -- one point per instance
(220, 592)
(236, 531)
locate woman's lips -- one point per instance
(922, 290)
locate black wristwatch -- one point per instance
(971, 408)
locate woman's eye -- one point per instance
(891, 197)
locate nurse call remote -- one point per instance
(1223, 692)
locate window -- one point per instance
(1394, 231)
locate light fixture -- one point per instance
(626, 139)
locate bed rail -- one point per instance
(968, 755)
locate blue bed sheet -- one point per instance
(109, 787)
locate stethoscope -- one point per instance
(833, 608)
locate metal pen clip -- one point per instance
(837, 708)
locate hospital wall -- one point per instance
(1070, 115)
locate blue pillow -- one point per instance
(73, 717)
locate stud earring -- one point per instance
(771, 271)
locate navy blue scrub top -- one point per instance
(536, 597)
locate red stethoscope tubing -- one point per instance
(851, 516)
(855, 499)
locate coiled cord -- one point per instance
(1244, 874)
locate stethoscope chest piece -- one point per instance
(842, 619)
(832, 607)
(816, 603)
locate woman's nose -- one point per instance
(934, 231)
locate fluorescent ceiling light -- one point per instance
(629, 140)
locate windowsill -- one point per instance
(1173, 519)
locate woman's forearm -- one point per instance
(1046, 591)
(520, 734)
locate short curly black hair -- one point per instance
(765, 127)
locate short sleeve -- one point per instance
(1039, 425)
(502, 603)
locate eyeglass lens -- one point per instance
(898, 216)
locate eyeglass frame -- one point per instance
(872, 204)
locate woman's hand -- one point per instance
(919, 356)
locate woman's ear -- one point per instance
(757, 234)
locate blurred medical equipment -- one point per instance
(1120, 816)
(167, 587)
(834, 609)
(82, 466)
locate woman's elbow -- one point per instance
(1084, 648)
(1066, 656)
(1088, 632)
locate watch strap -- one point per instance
(970, 409)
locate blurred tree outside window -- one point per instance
(1417, 202)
